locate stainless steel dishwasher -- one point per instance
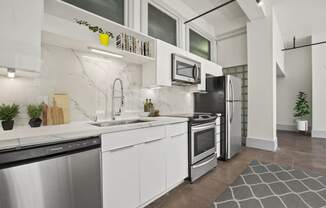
(60, 175)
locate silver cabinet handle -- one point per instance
(155, 140)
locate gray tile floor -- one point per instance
(295, 150)
(265, 185)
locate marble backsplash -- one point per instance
(87, 80)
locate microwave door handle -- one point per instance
(198, 74)
(194, 72)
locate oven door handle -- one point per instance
(204, 163)
(203, 127)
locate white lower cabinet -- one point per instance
(121, 178)
(140, 165)
(177, 159)
(152, 169)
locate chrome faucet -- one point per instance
(121, 97)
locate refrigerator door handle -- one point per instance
(232, 90)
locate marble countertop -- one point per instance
(26, 136)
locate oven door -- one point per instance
(185, 70)
(203, 142)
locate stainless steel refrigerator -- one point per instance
(223, 95)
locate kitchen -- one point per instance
(124, 104)
(80, 83)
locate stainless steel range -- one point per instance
(202, 144)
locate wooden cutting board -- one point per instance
(55, 115)
(62, 101)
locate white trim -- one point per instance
(203, 34)
(165, 9)
(318, 134)
(231, 34)
(264, 144)
(126, 12)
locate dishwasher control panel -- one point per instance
(44, 151)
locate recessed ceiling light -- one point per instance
(105, 53)
(11, 73)
(260, 2)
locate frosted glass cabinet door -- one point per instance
(109, 9)
(161, 25)
(20, 34)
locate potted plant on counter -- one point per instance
(104, 36)
(34, 112)
(302, 110)
(7, 115)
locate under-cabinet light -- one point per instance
(97, 58)
(11, 73)
(105, 53)
(155, 88)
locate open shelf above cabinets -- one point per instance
(68, 34)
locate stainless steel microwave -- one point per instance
(185, 70)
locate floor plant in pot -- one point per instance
(7, 115)
(302, 110)
(34, 112)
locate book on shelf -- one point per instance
(132, 44)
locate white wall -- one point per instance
(319, 87)
(262, 86)
(232, 51)
(298, 78)
(278, 45)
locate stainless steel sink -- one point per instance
(121, 122)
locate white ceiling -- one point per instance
(300, 18)
(226, 19)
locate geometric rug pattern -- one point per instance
(266, 185)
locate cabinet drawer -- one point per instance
(117, 140)
(177, 129)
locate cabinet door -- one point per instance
(20, 35)
(152, 169)
(121, 188)
(177, 162)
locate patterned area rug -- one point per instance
(265, 185)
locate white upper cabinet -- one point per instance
(20, 35)
(158, 73)
(208, 68)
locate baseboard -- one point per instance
(282, 127)
(318, 134)
(264, 144)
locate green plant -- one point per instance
(34, 111)
(93, 28)
(8, 112)
(301, 108)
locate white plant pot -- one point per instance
(302, 125)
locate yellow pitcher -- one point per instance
(104, 39)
